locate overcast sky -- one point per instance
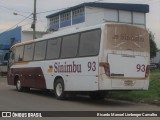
(25, 8)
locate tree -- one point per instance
(153, 46)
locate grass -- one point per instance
(152, 95)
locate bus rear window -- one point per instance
(126, 37)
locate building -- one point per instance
(11, 37)
(92, 13)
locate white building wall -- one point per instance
(94, 16)
(139, 18)
(80, 25)
(29, 35)
(125, 16)
(110, 15)
(26, 36)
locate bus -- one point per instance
(92, 60)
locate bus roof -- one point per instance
(22, 43)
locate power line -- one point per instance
(66, 8)
(13, 9)
(42, 22)
(52, 10)
(58, 9)
(16, 24)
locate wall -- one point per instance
(28, 35)
(95, 15)
(8, 38)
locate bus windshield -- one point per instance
(126, 37)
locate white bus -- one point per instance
(94, 60)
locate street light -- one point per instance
(15, 13)
(21, 15)
(33, 25)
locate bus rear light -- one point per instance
(147, 71)
(106, 68)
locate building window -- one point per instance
(78, 16)
(65, 19)
(54, 22)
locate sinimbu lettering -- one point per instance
(67, 68)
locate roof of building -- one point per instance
(144, 8)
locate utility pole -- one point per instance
(34, 21)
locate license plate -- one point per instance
(129, 83)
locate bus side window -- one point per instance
(69, 46)
(19, 53)
(90, 43)
(40, 50)
(28, 52)
(53, 48)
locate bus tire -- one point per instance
(59, 89)
(19, 88)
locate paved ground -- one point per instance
(36, 100)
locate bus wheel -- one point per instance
(59, 89)
(18, 86)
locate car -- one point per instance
(153, 66)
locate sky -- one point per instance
(24, 8)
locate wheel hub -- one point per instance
(59, 89)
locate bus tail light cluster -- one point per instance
(147, 71)
(106, 68)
